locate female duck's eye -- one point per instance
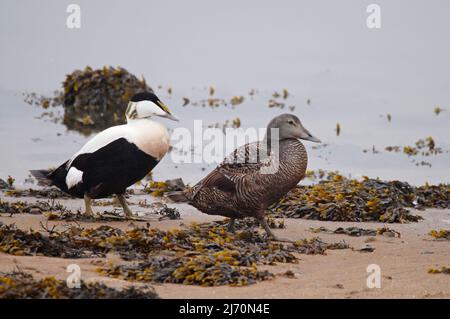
(291, 122)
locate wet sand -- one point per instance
(404, 261)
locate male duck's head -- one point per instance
(145, 105)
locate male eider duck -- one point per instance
(255, 175)
(117, 157)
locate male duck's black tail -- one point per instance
(42, 176)
(49, 177)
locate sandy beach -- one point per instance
(404, 261)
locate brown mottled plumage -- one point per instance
(255, 175)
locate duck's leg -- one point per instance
(269, 232)
(128, 213)
(230, 227)
(123, 203)
(88, 207)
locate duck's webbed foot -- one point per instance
(269, 232)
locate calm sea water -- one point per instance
(321, 50)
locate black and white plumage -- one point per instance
(255, 175)
(117, 157)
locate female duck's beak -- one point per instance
(312, 139)
(305, 135)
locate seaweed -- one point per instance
(338, 129)
(337, 198)
(423, 147)
(440, 234)
(159, 188)
(438, 110)
(432, 196)
(200, 254)
(209, 256)
(289, 274)
(358, 232)
(8, 184)
(78, 216)
(199, 270)
(68, 244)
(343, 199)
(389, 117)
(48, 192)
(168, 213)
(275, 104)
(443, 270)
(235, 100)
(21, 285)
(93, 99)
(366, 249)
(3, 184)
(40, 207)
(234, 123)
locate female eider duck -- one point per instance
(117, 157)
(255, 175)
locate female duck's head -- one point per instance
(145, 105)
(288, 126)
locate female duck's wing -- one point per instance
(239, 169)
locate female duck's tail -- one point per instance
(178, 196)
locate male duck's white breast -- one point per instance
(150, 137)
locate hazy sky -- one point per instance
(232, 43)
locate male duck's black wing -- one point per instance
(112, 168)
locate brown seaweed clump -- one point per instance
(343, 199)
(68, 244)
(93, 99)
(168, 213)
(207, 255)
(20, 285)
(8, 184)
(337, 198)
(200, 270)
(201, 254)
(358, 232)
(440, 234)
(159, 188)
(47, 192)
(432, 196)
(443, 270)
(96, 99)
(40, 207)
(424, 147)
